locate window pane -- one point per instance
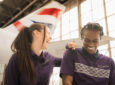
(113, 53)
(110, 6)
(86, 6)
(112, 34)
(57, 32)
(99, 3)
(111, 24)
(112, 43)
(103, 47)
(74, 34)
(73, 19)
(107, 1)
(69, 23)
(86, 13)
(102, 23)
(65, 37)
(105, 52)
(65, 23)
(98, 13)
(87, 17)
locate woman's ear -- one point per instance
(36, 33)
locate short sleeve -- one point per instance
(112, 73)
(67, 65)
(11, 72)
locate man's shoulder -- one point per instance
(78, 50)
(106, 58)
(71, 52)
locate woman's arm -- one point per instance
(70, 46)
(57, 62)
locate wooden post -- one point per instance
(79, 16)
(107, 31)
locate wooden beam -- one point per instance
(106, 24)
(72, 3)
(79, 17)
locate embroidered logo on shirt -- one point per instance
(91, 71)
(103, 67)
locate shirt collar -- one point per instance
(33, 54)
(35, 57)
(42, 59)
(96, 55)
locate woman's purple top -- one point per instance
(43, 66)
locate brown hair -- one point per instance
(22, 49)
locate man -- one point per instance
(87, 66)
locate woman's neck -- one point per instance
(36, 49)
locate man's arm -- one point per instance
(112, 73)
(67, 67)
(67, 80)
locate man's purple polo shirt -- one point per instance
(43, 66)
(88, 69)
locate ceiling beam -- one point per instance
(17, 15)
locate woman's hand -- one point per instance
(72, 45)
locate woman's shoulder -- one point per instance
(13, 60)
(13, 57)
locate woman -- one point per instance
(30, 65)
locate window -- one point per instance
(110, 6)
(104, 50)
(111, 26)
(93, 11)
(70, 24)
(56, 35)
